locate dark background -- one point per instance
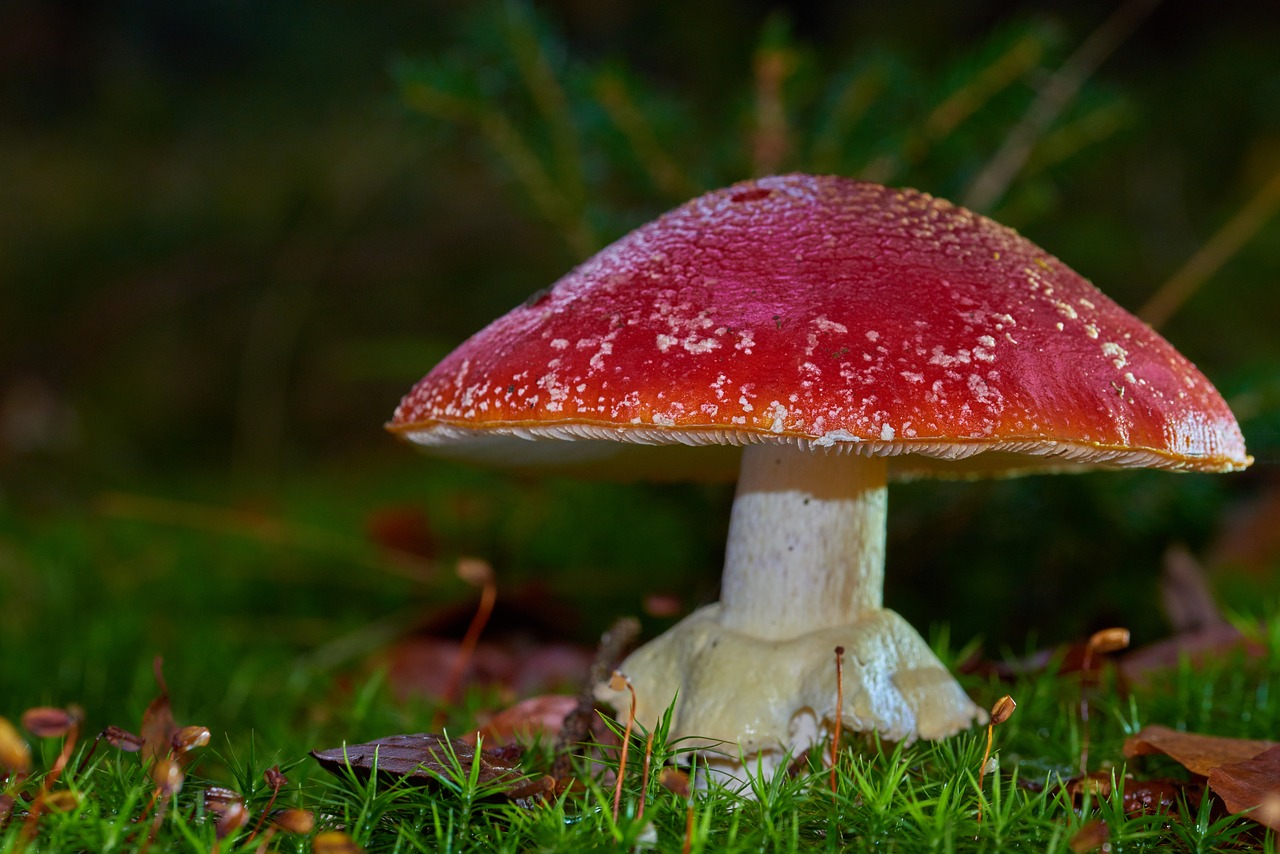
(229, 241)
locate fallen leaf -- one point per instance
(1060, 661)
(676, 781)
(1184, 593)
(1141, 797)
(1209, 643)
(420, 666)
(528, 719)
(402, 528)
(1249, 541)
(1198, 753)
(526, 648)
(1091, 836)
(426, 759)
(1250, 783)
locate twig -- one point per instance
(1061, 88)
(1210, 257)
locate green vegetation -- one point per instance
(918, 798)
(231, 239)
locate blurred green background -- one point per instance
(233, 234)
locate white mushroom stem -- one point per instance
(752, 677)
(806, 542)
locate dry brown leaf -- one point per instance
(1250, 783)
(534, 717)
(676, 781)
(1141, 797)
(1199, 754)
(425, 759)
(1185, 594)
(404, 529)
(1211, 643)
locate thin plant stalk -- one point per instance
(644, 775)
(835, 730)
(471, 571)
(1000, 713)
(617, 683)
(1100, 642)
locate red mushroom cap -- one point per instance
(836, 314)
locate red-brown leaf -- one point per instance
(1210, 643)
(1250, 783)
(402, 528)
(1141, 797)
(533, 717)
(1198, 753)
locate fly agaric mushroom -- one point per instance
(835, 334)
